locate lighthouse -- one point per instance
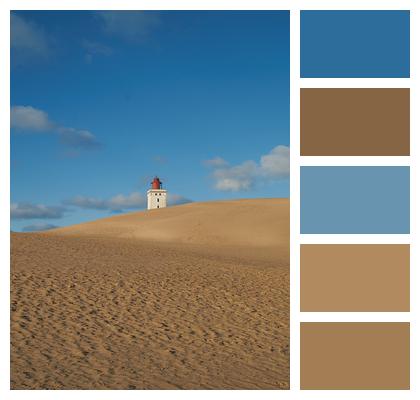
(156, 196)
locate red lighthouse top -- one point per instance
(156, 183)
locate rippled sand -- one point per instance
(191, 297)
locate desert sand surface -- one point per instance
(187, 297)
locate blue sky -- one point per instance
(103, 101)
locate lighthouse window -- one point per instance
(158, 200)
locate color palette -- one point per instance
(354, 199)
(355, 122)
(355, 277)
(355, 355)
(355, 44)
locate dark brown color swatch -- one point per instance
(356, 277)
(355, 122)
(355, 355)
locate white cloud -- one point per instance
(133, 200)
(38, 227)
(131, 25)
(30, 119)
(272, 166)
(239, 177)
(90, 203)
(78, 138)
(34, 211)
(116, 203)
(27, 40)
(276, 164)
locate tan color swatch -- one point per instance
(355, 355)
(355, 122)
(360, 277)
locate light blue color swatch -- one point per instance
(351, 200)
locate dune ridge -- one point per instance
(193, 297)
(247, 222)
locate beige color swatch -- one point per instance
(360, 277)
(355, 355)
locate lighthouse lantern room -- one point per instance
(156, 196)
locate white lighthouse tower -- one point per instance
(156, 196)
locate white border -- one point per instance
(354, 160)
(354, 317)
(294, 199)
(354, 239)
(296, 161)
(355, 82)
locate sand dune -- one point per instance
(192, 296)
(252, 226)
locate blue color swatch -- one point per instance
(355, 44)
(355, 200)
